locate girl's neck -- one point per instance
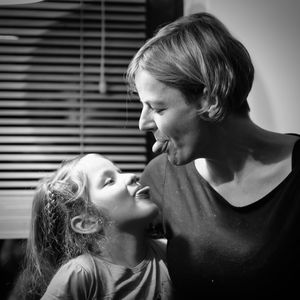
(125, 249)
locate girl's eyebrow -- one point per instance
(109, 171)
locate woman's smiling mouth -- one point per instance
(161, 143)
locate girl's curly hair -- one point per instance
(52, 242)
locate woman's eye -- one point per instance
(108, 181)
(158, 111)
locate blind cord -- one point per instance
(81, 114)
(102, 82)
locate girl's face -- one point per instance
(177, 128)
(115, 193)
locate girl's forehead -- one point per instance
(92, 162)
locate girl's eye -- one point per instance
(108, 181)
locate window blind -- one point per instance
(53, 57)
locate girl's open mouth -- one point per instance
(143, 193)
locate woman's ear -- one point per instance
(208, 104)
(86, 224)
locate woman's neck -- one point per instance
(238, 146)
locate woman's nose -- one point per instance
(146, 122)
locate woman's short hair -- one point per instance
(196, 52)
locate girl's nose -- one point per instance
(130, 179)
(146, 122)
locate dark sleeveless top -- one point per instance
(216, 249)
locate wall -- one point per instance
(270, 31)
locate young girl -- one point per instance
(87, 238)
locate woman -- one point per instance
(228, 189)
(87, 238)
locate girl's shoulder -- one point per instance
(84, 262)
(74, 280)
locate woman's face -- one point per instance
(177, 128)
(115, 193)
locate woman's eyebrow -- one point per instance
(153, 101)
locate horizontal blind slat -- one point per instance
(88, 140)
(70, 103)
(76, 149)
(140, 157)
